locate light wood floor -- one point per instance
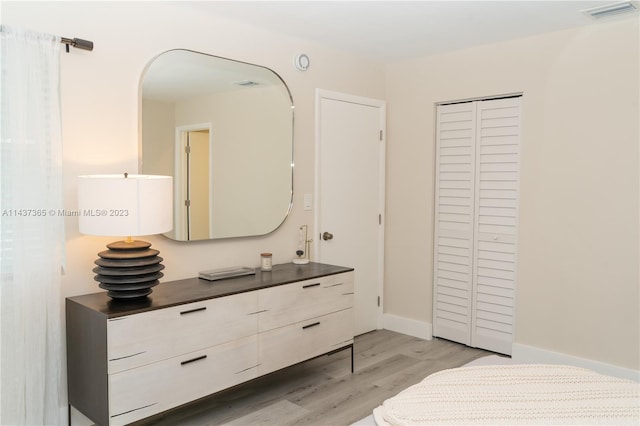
(323, 391)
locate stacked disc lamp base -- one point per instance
(128, 270)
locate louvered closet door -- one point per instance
(496, 218)
(455, 164)
(477, 153)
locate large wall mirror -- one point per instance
(224, 130)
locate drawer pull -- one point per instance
(258, 312)
(347, 294)
(135, 409)
(247, 369)
(127, 356)
(304, 327)
(189, 361)
(311, 285)
(334, 285)
(204, 308)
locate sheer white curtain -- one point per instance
(32, 234)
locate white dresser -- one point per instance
(129, 360)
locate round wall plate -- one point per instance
(301, 62)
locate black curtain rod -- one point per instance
(77, 43)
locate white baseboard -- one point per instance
(530, 354)
(520, 353)
(415, 328)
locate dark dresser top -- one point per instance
(189, 290)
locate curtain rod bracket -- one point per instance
(77, 43)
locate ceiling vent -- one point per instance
(611, 9)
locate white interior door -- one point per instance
(188, 138)
(350, 195)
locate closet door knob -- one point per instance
(327, 236)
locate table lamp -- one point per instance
(126, 205)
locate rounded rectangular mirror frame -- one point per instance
(224, 130)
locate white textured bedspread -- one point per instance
(514, 394)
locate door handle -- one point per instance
(327, 236)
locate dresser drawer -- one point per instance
(144, 391)
(286, 304)
(140, 339)
(298, 342)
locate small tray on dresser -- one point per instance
(222, 273)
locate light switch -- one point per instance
(308, 201)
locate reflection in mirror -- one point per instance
(224, 130)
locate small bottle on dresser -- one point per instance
(266, 263)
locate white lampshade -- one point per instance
(115, 205)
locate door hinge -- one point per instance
(378, 301)
(187, 203)
(187, 149)
(379, 219)
(380, 134)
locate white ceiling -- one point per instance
(395, 30)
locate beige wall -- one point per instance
(100, 91)
(159, 143)
(578, 282)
